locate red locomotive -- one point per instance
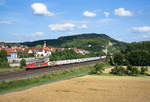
(36, 65)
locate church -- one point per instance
(44, 51)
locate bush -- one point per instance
(134, 71)
(130, 70)
(118, 70)
(111, 61)
(98, 68)
(3, 59)
(4, 64)
(22, 63)
(143, 70)
(138, 58)
(119, 59)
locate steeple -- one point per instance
(44, 44)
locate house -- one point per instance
(81, 51)
(45, 51)
(11, 53)
(29, 51)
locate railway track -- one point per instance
(9, 76)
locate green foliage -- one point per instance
(66, 54)
(119, 59)
(22, 63)
(137, 53)
(118, 70)
(111, 62)
(139, 58)
(25, 55)
(3, 59)
(130, 70)
(143, 70)
(98, 68)
(38, 46)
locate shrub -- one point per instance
(138, 58)
(119, 59)
(143, 70)
(118, 70)
(111, 61)
(22, 63)
(134, 71)
(3, 59)
(99, 68)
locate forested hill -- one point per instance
(92, 42)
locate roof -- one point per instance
(46, 48)
(9, 51)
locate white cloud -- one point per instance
(145, 31)
(145, 36)
(106, 14)
(29, 36)
(89, 14)
(5, 22)
(122, 12)
(84, 26)
(141, 29)
(37, 34)
(41, 9)
(61, 27)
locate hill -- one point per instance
(92, 42)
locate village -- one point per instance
(16, 53)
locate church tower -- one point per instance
(44, 44)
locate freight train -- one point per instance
(38, 65)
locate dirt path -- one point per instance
(87, 89)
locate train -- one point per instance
(43, 64)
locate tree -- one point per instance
(99, 68)
(143, 70)
(118, 70)
(139, 58)
(119, 59)
(66, 54)
(111, 61)
(38, 46)
(22, 63)
(3, 59)
(3, 55)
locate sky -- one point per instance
(29, 20)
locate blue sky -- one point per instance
(29, 20)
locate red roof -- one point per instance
(46, 48)
(26, 50)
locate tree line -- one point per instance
(136, 54)
(67, 54)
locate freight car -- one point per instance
(61, 62)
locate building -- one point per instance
(81, 51)
(45, 51)
(11, 53)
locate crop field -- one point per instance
(90, 88)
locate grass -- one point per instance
(108, 74)
(18, 84)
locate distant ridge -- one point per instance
(92, 42)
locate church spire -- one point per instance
(44, 44)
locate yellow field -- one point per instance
(87, 89)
